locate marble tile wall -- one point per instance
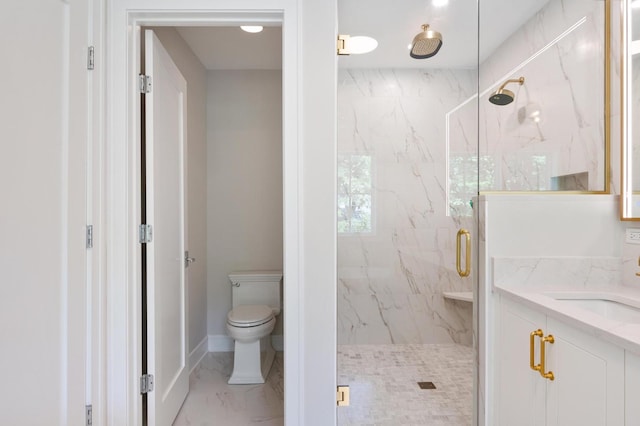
(391, 278)
(575, 272)
(555, 126)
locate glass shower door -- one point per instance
(407, 174)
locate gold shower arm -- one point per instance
(513, 80)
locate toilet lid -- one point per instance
(245, 315)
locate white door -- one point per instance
(165, 124)
(43, 257)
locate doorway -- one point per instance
(232, 220)
(123, 263)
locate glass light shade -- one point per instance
(362, 44)
(251, 28)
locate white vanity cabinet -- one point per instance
(588, 386)
(632, 389)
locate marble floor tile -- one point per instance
(213, 402)
(384, 389)
(382, 380)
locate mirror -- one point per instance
(543, 101)
(630, 110)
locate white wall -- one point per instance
(196, 76)
(244, 182)
(43, 181)
(318, 222)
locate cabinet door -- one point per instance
(520, 390)
(632, 388)
(588, 388)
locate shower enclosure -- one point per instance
(407, 174)
(495, 105)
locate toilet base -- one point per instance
(252, 362)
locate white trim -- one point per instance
(122, 175)
(198, 353)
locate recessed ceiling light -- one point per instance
(362, 44)
(251, 28)
(440, 3)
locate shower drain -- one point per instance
(426, 385)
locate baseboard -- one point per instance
(223, 343)
(198, 353)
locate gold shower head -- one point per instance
(426, 43)
(503, 96)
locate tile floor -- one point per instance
(211, 401)
(382, 379)
(384, 390)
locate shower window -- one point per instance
(465, 175)
(355, 194)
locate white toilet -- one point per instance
(255, 299)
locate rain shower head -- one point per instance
(426, 44)
(503, 96)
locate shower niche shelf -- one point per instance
(465, 296)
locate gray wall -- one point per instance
(244, 181)
(196, 77)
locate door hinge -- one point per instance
(89, 236)
(146, 383)
(88, 411)
(144, 83)
(145, 234)
(342, 396)
(342, 44)
(91, 60)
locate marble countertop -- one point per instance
(625, 334)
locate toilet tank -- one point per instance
(256, 288)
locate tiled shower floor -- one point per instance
(382, 379)
(384, 390)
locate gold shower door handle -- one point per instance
(532, 337)
(546, 374)
(467, 268)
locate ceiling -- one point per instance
(393, 24)
(230, 48)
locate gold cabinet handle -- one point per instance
(532, 336)
(546, 374)
(467, 269)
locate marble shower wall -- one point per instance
(552, 136)
(392, 273)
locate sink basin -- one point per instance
(610, 309)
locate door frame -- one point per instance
(122, 183)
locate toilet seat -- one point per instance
(249, 315)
